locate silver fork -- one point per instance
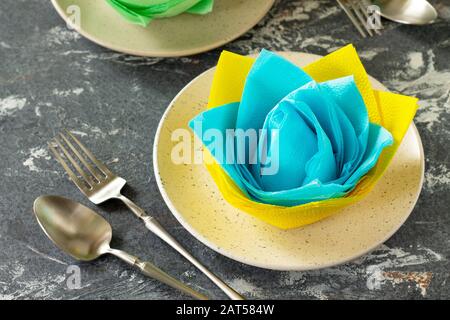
(356, 11)
(99, 184)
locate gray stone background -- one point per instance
(51, 78)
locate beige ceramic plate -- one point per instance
(194, 199)
(183, 35)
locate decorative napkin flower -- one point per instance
(324, 136)
(141, 12)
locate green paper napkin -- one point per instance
(141, 12)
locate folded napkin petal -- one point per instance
(141, 12)
(332, 95)
(203, 7)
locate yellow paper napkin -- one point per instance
(393, 111)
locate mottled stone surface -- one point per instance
(51, 78)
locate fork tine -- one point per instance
(351, 17)
(78, 182)
(69, 157)
(363, 7)
(98, 163)
(357, 10)
(91, 169)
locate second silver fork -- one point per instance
(356, 11)
(99, 184)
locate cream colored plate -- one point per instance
(183, 35)
(194, 199)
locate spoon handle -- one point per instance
(152, 271)
(158, 230)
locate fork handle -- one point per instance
(154, 226)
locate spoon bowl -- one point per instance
(74, 228)
(417, 12)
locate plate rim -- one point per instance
(166, 54)
(229, 255)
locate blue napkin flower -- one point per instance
(314, 140)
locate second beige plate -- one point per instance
(194, 199)
(183, 35)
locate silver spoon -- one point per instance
(416, 12)
(85, 235)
